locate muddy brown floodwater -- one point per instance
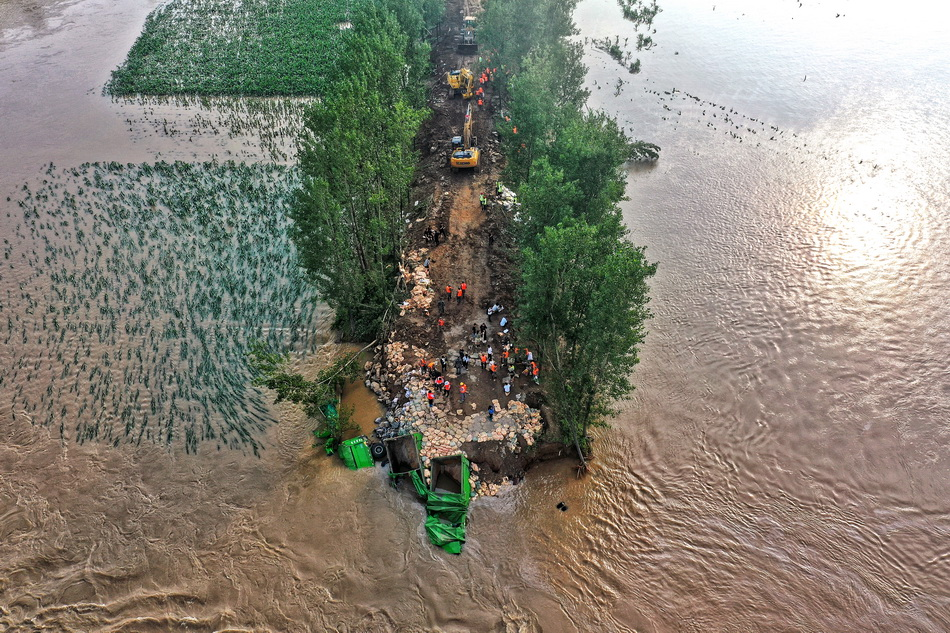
(783, 466)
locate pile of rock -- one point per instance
(394, 365)
(416, 276)
(507, 199)
(444, 431)
(517, 420)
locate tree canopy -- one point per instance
(583, 302)
(357, 159)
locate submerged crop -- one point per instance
(131, 293)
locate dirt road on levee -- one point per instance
(464, 243)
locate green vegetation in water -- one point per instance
(357, 159)
(270, 370)
(130, 295)
(583, 290)
(265, 126)
(640, 12)
(249, 48)
(618, 53)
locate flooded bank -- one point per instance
(782, 466)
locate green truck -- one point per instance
(447, 494)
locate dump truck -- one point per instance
(446, 495)
(356, 452)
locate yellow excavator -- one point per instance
(465, 153)
(461, 83)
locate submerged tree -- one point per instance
(318, 397)
(583, 301)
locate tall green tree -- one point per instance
(591, 150)
(583, 301)
(510, 30)
(357, 159)
(542, 97)
(547, 199)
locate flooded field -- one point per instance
(783, 466)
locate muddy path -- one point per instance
(472, 247)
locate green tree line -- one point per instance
(583, 291)
(357, 158)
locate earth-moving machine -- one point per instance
(461, 83)
(466, 43)
(465, 152)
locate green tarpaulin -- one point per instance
(448, 513)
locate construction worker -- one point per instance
(491, 413)
(439, 382)
(480, 102)
(448, 293)
(441, 322)
(447, 388)
(493, 368)
(458, 295)
(430, 397)
(482, 201)
(464, 287)
(484, 360)
(463, 389)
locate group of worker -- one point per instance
(441, 383)
(450, 291)
(482, 80)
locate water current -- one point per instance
(783, 466)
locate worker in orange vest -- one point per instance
(431, 397)
(484, 360)
(493, 368)
(441, 322)
(448, 292)
(464, 288)
(463, 389)
(458, 295)
(447, 387)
